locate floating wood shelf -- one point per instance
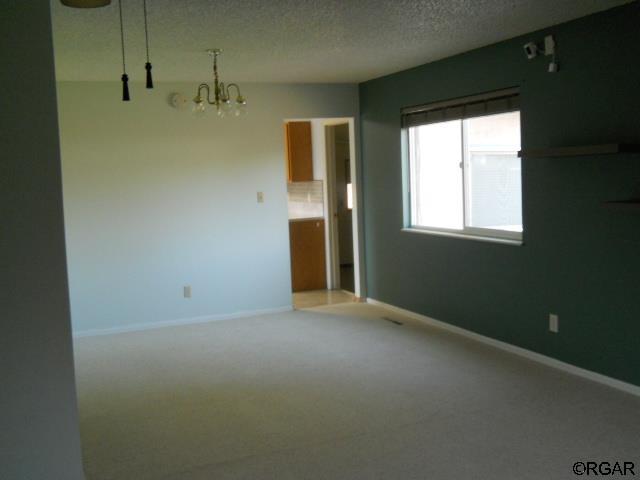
(581, 150)
(624, 205)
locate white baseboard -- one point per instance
(523, 352)
(136, 327)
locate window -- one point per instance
(463, 174)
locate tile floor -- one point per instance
(315, 298)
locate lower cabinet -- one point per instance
(308, 257)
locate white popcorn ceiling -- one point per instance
(292, 40)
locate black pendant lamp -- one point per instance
(125, 77)
(147, 65)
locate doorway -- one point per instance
(322, 194)
(340, 189)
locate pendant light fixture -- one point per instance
(125, 77)
(221, 93)
(147, 65)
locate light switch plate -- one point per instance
(187, 291)
(260, 197)
(554, 323)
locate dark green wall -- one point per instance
(39, 434)
(579, 259)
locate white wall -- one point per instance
(39, 438)
(156, 198)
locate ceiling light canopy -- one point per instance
(221, 93)
(86, 3)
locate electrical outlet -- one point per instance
(554, 323)
(187, 291)
(260, 197)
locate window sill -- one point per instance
(465, 236)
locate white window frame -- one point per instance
(473, 233)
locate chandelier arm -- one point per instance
(204, 86)
(237, 89)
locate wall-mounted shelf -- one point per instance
(624, 205)
(580, 150)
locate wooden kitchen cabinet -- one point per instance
(299, 155)
(308, 260)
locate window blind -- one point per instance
(491, 103)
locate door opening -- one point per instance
(341, 190)
(323, 211)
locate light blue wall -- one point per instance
(39, 436)
(156, 199)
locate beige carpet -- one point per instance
(336, 393)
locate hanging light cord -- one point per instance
(125, 78)
(124, 69)
(147, 66)
(146, 28)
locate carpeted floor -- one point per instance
(336, 393)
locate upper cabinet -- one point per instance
(299, 156)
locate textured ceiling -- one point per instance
(292, 40)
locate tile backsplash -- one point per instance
(305, 199)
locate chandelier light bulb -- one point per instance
(226, 105)
(240, 109)
(198, 105)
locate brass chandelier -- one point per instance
(222, 100)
